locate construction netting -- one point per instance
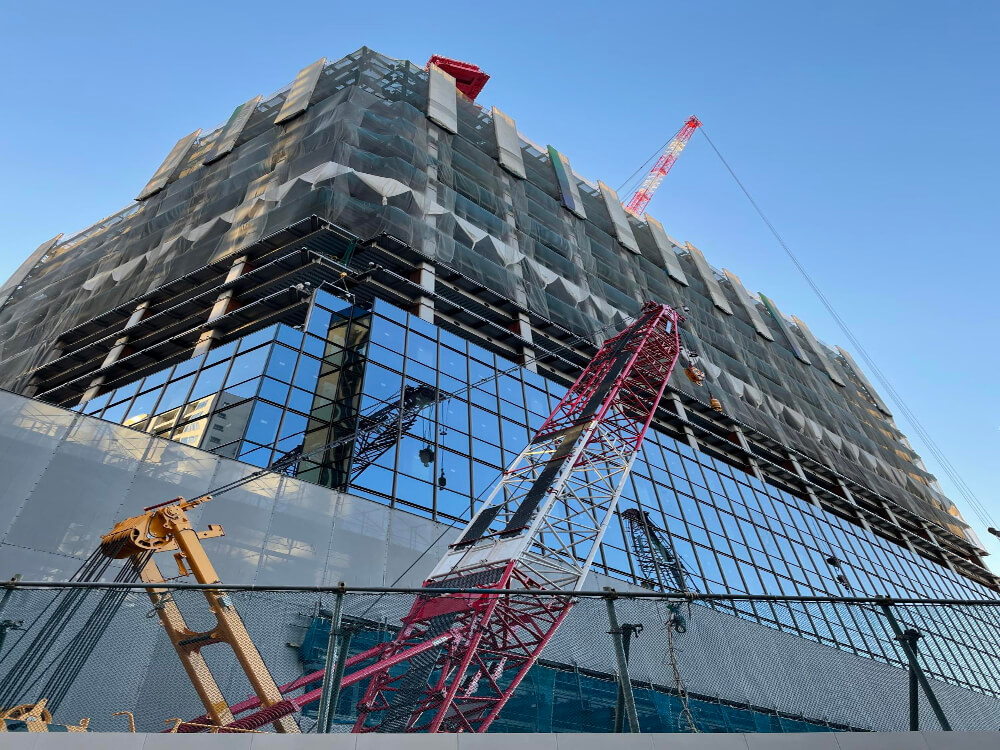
(93, 653)
(365, 156)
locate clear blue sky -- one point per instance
(867, 131)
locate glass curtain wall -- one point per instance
(732, 532)
(279, 393)
(274, 394)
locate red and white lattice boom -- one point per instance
(636, 205)
(459, 657)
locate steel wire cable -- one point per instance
(966, 491)
(24, 672)
(71, 662)
(642, 167)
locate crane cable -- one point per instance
(964, 489)
(643, 167)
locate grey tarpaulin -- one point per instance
(232, 130)
(169, 166)
(666, 248)
(785, 328)
(715, 292)
(819, 351)
(442, 102)
(300, 92)
(25, 268)
(623, 231)
(508, 146)
(748, 305)
(864, 380)
(567, 182)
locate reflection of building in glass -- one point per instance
(284, 282)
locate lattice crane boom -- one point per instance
(458, 658)
(636, 205)
(658, 562)
(540, 529)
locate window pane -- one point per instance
(175, 394)
(263, 426)
(247, 366)
(209, 381)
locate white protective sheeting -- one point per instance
(820, 351)
(232, 130)
(666, 248)
(749, 305)
(715, 292)
(301, 91)
(442, 99)
(508, 144)
(169, 166)
(623, 232)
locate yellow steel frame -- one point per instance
(167, 528)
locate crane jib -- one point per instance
(619, 353)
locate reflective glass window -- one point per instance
(306, 373)
(254, 339)
(156, 379)
(209, 381)
(319, 322)
(96, 404)
(281, 363)
(246, 366)
(141, 408)
(485, 425)
(220, 353)
(263, 427)
(175, 394)
(421, 349)
(272, 390)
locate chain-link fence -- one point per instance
(191, 658)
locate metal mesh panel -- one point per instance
(693, 666)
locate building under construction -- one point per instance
(352, 305)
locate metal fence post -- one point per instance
(911, 637)
(6, 625)
(628, 633)
(624, 681)
(908, 643)
(331, 683)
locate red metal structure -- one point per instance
(459, 657)
(469, 78)
(640, 199)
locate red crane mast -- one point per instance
(640, 199)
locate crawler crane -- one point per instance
(458, 657)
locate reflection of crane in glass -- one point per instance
(376, 431)
(658, 561)
(380, 430)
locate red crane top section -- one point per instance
(638, 202)
(469, 78)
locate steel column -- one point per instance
(324, 719)
(624, 681)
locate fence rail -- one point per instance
(623, 660)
